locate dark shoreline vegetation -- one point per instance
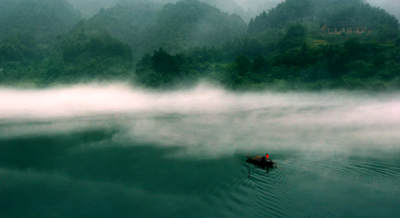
(162, 46)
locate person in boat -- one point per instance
(265, 158)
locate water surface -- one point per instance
(132, 153)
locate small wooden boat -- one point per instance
(258, 160)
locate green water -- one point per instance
(86, 174)
(116, 152)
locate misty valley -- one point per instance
(150, 108)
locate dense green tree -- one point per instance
(259, 64)
(242, 65)
(89, 54)
(162, 69)
(294, 37)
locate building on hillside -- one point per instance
(344, 27)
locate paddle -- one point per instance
(274, 163)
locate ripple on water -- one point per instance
(354, 168)
(277, 193)
(269, 193)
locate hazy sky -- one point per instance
(255, 6)
(258, 5)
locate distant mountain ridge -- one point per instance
(89, 8)
(300, 43)
(175, 26)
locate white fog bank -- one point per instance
(208, 119)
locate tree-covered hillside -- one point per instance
(85, 54)
(191, 23)
(101, 45)
(30, 28)
(286, 47)
(131, 21)
(299, 44)
(41, 19)
(146, 26)
(317, 12)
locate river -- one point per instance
(116, 151)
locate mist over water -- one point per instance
(115, 150)
(209, 119)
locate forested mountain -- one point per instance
(87, 54)
(299, 44)
(268, 28)
(29, 28)
(131, 21)
(292, 11)
(191, 23)
(297, 51)
(146, 26)
(101, 40)
(286, 47)
(42, 19)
